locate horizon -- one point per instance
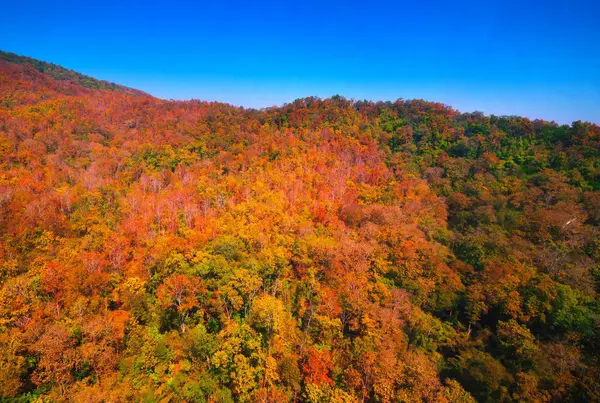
(540, 64)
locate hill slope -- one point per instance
(62, 74)
(322, 251)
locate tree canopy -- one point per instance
(327, 250)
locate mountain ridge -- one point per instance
(63, 74)
(60, 73)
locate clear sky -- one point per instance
(539, 59)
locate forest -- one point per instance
(327, 250)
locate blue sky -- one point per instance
(539, 59)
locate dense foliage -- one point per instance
(323, 251)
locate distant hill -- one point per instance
(62, 74)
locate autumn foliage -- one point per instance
(321, 251)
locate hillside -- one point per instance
(326, 250)
(62, 74)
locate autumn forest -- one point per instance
(327, 250)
